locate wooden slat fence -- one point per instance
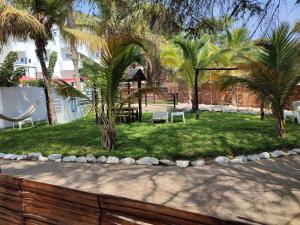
(33, 203)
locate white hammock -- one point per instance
(22, 117)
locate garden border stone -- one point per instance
(149, 161)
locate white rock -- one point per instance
(101, 159)
(292, 153)
(90, 158)
(277, 153)
(148, 161)
(239, 159)
(253, 157)
(81, 160)
(54, 157)
(296, 150)
(21, 157)
(112, 160)
(10, 156)
(221, 160)
(34, 156)
(182, 163)
(69, 159)
(167, 162)
(57, 160)
(128, 161)
(2, 155)
(43, 159)
(264, 155)
(199, 162)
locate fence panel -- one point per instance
(33, 203)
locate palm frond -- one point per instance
(17, 23)
(95, 43)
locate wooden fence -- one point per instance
(32, 203)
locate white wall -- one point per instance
(14, 101)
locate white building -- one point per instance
(28, 59)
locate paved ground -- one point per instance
(266, 191)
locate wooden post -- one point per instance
(140, 98)
(130, 118)
(174, 101)
(196, 94)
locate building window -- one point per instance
(74, 105)
(68, 56)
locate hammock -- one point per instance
(22, 117)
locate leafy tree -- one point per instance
(9, 76)
(275, 73)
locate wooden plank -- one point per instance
(58, 204)
(117, 220)
(132, 206)
(63, 217)
(67, 194)
(10, 215)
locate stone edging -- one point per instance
(221, 160)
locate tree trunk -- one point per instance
(262, 111)
(74, 53)
(278, 113)
(96, 104)
(108, 133)
(75, 60)
(40, 52)
(196, 96)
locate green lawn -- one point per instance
(213, 134)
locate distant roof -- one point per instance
(131, 74)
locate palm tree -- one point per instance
(238, 47)
(50, 13)
(275, 74)
(194, 54)
(9, 76)
(120, 55)
(17, 23)
(105, 78)
(80, 27)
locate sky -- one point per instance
(288, 12)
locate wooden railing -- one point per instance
(32, 203)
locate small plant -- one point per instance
(9, 76)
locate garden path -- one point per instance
(265, 191)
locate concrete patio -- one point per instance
(264, 191)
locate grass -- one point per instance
(213, 134)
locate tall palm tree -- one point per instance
(81, 28)
(50, 13)
(275, 74)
